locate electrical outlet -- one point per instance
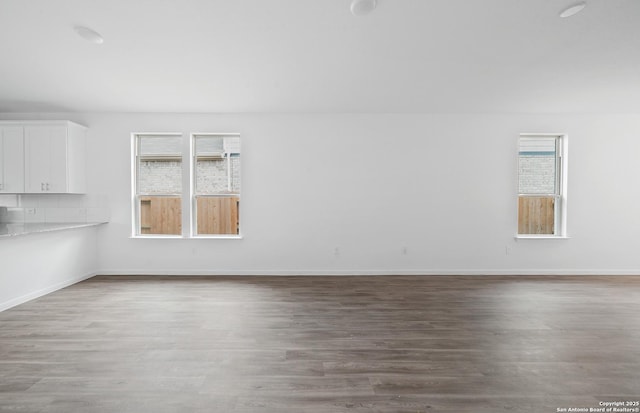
(30, 211)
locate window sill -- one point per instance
(155, 237)
(181, 237)
(216, 237)
(517, 237)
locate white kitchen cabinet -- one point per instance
(54, 157)
(11, 159)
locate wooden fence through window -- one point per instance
(536, 215)
(218, 215)
(162, 215)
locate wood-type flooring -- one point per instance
(409, 344)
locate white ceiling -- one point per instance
(462, 56)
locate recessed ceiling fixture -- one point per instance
(362, 7)
(573, 10)
(89, 35)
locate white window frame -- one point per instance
(188, 198)
(192, 188)
(135, 210)
(560, 206)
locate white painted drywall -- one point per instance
(397, 194)
(37, 264)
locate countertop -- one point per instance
(12, 230)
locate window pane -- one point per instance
(217, 168)
(540, 201)
(159, 164)
(217, 184)
(537, 166)
(160, 215)
(158, 184)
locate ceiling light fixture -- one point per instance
(573, 10)
(89, 35)
(362, 7)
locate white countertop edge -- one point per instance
(37, 228)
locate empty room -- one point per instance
(279, 206)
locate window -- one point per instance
(542, 183)
(216, 184)
(212, 175)
(158, 185)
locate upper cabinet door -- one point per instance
(37, 158)
(11, 159)
(43, 157)
(58, 160)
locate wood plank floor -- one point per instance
(324, 344)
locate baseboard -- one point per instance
(44, 291)
(289, 272)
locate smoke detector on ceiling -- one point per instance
(573, 9)
(88, 34)
(362, 7)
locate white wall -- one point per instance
(440, 187)
(37, 264)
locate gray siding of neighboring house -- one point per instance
(164, 176)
